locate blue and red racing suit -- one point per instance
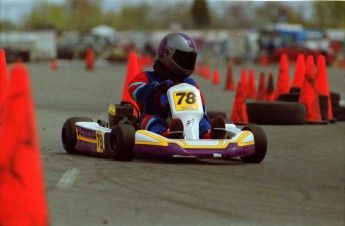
(153, 113)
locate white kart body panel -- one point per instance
(149, 138)
(185, 104)
(93, 126)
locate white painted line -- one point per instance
(68, 178)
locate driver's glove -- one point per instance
(163, 86)
(163, 100)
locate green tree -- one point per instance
(84, 14)
(275, 12)
(6, 25)
(133, 17)
(200, 13)
(47, 15)
(329, 14)
(240, 15)
(164, 15)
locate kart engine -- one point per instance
(121, 113)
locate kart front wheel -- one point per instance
(260, 141)
(122, 139)
(69, 134)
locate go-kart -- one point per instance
(122, 139)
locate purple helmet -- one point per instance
(177, 51)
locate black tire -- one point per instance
(122, 139)
(290, 97)
(276, 112)
(69, 135)
(295, 90)
(335, 99)
(323, 102)
(260, 140)
(294, 97)
(339, 113)
(213, 114)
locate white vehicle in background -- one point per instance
(30, 46)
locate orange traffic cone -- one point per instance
(322, 82)
(89, 59)
(264, 60)
(132, 70)
(216, 77)
(239, 111)
(251, 90)
(309, 96)
(299, 71)
(244, 80)
(283, 84)
(22, 192)
(229, 84)
(270, 94)
(262, 89)
(3, 84)
(207, 72)
(54, 64)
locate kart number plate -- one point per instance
(99, 141)
(186, 100)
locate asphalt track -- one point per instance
(300, 182)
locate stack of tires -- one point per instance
(294, 95)
(276, 112)
(288, 111)
(337, 110)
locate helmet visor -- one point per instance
(185, 60)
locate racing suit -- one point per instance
(154, 109)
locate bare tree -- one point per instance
(200, 13)
(84, 14)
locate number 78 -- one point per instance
(187, 97)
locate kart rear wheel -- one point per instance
(122, 139)
(69, 134)
(260, 145)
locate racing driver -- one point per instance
(176, 60)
